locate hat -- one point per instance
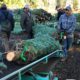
(68, 8)
(26, 6)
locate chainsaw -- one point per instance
(62, 36)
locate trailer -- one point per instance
(16, 72)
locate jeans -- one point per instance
(67, 43)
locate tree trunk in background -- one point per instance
(44, 4)
(61, 3)
(58, 2)
(75, 4)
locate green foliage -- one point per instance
(36, 11)
(78, 17)
(42, 43)
(61, 2)
(17, 28)
(39, 46)
(34, 1)
(75, 4)
(17, 14)
(45, 3)
(42, 29)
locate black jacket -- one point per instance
(26, 22)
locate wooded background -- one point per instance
(48, 5)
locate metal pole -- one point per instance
(29, 65)
(19, 75)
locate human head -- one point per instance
(26, 8)
(58, 7)
(3, 6)
(68, 10)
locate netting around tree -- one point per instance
(39, 46)
(41, 29)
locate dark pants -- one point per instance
(29, 34)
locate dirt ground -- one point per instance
(69, 69)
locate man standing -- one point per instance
(67, 23)
(6, 25)
(26, 21)
(60, 11)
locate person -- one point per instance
(67, 24)
(60, 11)
(26, 21)
(6, 25)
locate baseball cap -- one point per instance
(26, 6)
(68, 8)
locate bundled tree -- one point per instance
(42, 15)
(28, 50)
(34, 48)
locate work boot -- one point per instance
(64, 58)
